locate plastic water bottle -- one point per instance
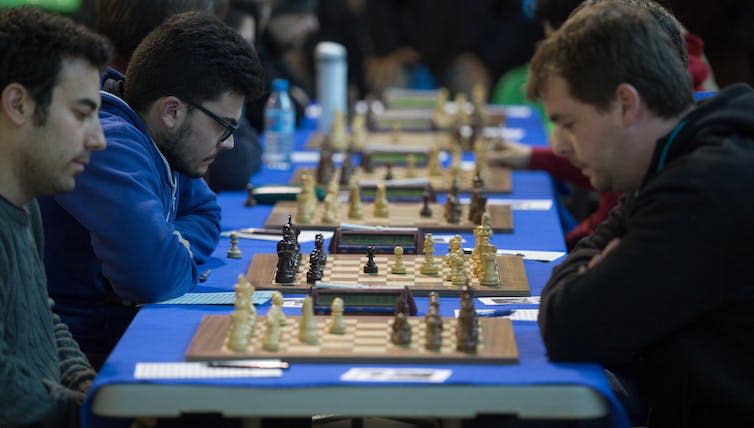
(279, 127)
(332, 82)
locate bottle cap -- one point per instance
(279, 85)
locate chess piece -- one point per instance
(452, 210)
(329, 214)
(325, 166)
(433, 163)
(439, 115)
(380, 202)
(467, 326)
(346, 169)
(389, 171)
(238, 336)
(395, 135)
(401, 334)
(489, 278)
(314, 273)
(433, 326)
(307, 327)
(319, 246)
(367, 162)
(277, 307)
(306, 200)
(338, 137)
(428, 267)
(359, 133)
(457, 269)
(271, 340)
(337, 322)
(234, 252)
(398, 266)
(244, 302)
(401, 305)
(354, 206)
(286, 268)
(426, 211)
(370, 266)
(410, 166)
(250, 200)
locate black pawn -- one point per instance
(319, 245)
(467, 329)
(426, 210)
(389, 172)
(371, 266)
(401, 335)
(250, 200)
(315, 271)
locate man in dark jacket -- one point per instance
(663, 288)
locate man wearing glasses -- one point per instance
(141, 218)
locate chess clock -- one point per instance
(271, 194)
(384, 241)
(375, 299)
(398, 190)
(397, 155)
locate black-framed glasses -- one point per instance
(229, 128)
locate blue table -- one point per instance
(534, 388)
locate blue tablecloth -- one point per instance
(161, 333)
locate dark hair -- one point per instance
(606, 44)
(666, 20)
(126, 23)
(33, 45)
(194, 56)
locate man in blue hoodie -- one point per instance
(141, 218)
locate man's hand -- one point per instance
(598, 257)
(511, 154)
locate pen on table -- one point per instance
(249, 364)
(203, 277)
(494, 312)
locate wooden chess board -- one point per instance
(421, 140)
(348, 269)
(400, 215)
(497, 180)
(367, 340)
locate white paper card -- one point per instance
(493, 301)
(444, 239)
(219, 298)
(542, 256)
(197, 371)
(380, 374)
(252, 233)
(313, 157)
(293, 302)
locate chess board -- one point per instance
(421, 140)
(348, 269)
(497, 180)
(367, 340)
(400, 215)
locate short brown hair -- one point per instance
(606, 44)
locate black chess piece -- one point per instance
(319, 244)
(371, 266)
(315, 270)
(389, 171)
(401, 334)
(367, 162)
(426, 211)
(286, 270)
(477, 182)
(452, 210)
(250, 200)
(294, 231)
(433, 326)
(325, 167)
(479, 209)
(346, 169)
(467, 327)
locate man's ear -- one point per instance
(17, 103)
(172, 112)
(628, 100)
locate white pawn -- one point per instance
(277, 308)
(428, 267)
(354, 208)
(398, 266)
(380, 202)
(307, 327)
(271, 341)
(337, 323)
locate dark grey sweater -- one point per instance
(42, 371)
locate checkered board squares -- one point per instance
(400, 215)
(348, 269)
(367, 339)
